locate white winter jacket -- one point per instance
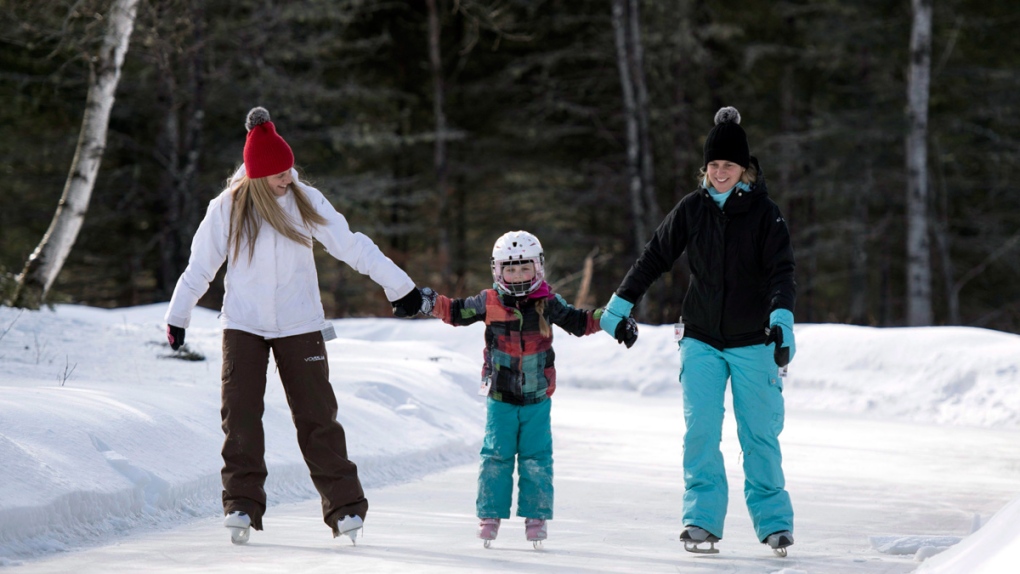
(277, 294)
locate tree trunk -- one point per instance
(919, 304)
(439, 159)
(181, 150)
(44, 264)
(637, 74)
(630, 116)
(637, 170)
(858, 311)
(584, 298)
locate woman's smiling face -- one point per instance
(280, 182)
(723, 175)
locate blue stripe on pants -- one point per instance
(524, 433)
(759, 411)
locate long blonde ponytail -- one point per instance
(543, 325)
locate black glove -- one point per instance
(175, 336)
(626, 332)
(780, 353)
(408, 305)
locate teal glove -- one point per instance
(616, 311)
(781, 335)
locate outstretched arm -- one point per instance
(577, 322)
(458, 312)
(659, 255)
(356, 249)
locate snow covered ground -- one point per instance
(899, 443)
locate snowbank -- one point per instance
(101, 432)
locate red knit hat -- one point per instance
(265, 152)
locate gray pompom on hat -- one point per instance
(256, 116)
(727, 140)
(727, 114)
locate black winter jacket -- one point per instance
(741, 264)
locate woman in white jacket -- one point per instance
(263, 225)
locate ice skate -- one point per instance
(349, 526)
(239, 524)
(778, 541)
(535, 530)
(692, 536)
(488, 528)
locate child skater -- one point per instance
(263, 225)
(518, 379)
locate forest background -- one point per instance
(436, 125)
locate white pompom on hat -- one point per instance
(265, 152)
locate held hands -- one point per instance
(408, 305)
(615, 319)
(428, 301)
(175, 336)
(626, 332)
(416, 301)
(780, 334)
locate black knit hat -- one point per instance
(727, 140)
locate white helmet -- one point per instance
(515, 248)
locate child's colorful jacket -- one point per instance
(518, 358)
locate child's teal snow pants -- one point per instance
(524, 433)
(758, 407)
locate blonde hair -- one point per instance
(255, 202)
(748, 177)
(543, 325)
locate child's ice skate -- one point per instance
(239, 524)
(693, 535)
(488, 528)
(535, 530)
(778, 541)
(350, 526)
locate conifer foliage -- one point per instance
(435, 138)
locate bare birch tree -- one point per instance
(43, 266)
(919, 282)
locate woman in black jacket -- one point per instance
(738, 316)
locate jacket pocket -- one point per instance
(775, 380)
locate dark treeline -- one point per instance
(533, 129)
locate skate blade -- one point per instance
(239, 535)
(780, 552)
(487, 543)
(693, 548)
(537, 544)
(350, 526)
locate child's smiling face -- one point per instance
(521, 273)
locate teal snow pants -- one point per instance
(522, 433)
(758, 407)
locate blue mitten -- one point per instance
(617, 311)
(781, 335)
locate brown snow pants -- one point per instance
(304, 370)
